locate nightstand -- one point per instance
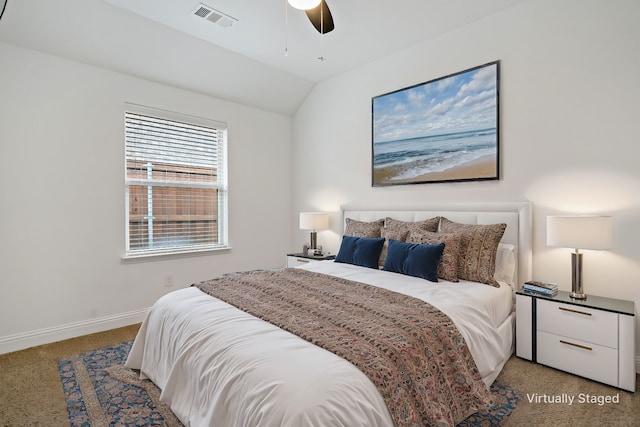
(294, 260)
(592, 338)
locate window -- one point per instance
(176, 190)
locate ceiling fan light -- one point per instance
(304, 4)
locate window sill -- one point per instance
(174, 254)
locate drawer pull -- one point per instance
(302, 260)
(574, 311)
(576, 345)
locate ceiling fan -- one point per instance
(318, 13)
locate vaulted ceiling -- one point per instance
(164, 41)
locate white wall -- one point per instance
(62, 199)
(569, 111)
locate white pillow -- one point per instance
(505, 264)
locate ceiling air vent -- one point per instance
(212, 15)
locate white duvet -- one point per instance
(218, 366)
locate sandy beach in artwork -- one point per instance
(484, 167)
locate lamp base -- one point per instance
(576, 295)
(577, 291)
(314, 240)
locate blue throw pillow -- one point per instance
(414, 259)
(362, 251)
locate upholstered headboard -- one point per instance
(517, 216)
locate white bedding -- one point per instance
(218, 366)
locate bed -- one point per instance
(219, 365)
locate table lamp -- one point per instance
(314, 221)
(579, 232)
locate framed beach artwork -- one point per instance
(444, 130)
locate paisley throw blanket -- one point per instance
(410, 350)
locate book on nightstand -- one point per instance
(548, 289)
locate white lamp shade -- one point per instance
(304, 4)
(580, 232)
(314, 221)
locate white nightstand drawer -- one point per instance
(582, 323)
(294, 261)
(578, 357)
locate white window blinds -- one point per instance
(175, 182)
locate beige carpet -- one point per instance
(531, 378)
(30, 387)
(31, 392)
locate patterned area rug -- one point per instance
(101, 391)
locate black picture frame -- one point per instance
(442, 130)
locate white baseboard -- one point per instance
(637, 364)
(24, 340)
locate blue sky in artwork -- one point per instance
(462, 102)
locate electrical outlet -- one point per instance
(168, 280)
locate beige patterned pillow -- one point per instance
(478, 247)
(363, 229)
(448, 267)
(430, 224)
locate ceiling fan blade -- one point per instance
(317, 18)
